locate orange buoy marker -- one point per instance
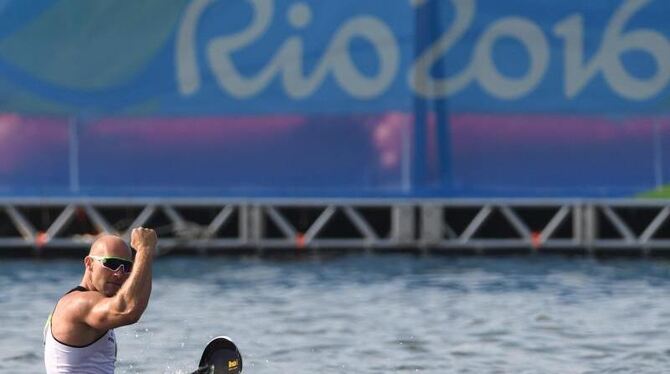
(536, 240)
(41, 239)
(300, 240)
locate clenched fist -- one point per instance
(143, 239)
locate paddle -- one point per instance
(221, 356)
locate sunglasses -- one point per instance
(114, 263)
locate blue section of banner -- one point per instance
(334, 98)
(264, 56)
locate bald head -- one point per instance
(110, 245)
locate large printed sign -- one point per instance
(342, 98)
(251, 56)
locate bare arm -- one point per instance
(127, 306)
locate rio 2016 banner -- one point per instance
(345, 98)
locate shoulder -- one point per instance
(69, 321)
(75, 306)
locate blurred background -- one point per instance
(345, 99)
(303, 127)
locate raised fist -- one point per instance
(143, 239)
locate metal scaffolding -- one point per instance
(490, 225)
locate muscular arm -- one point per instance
(127, 305)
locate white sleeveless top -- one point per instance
(98, 357)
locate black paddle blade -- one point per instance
(221, 356)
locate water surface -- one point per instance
(371, 314)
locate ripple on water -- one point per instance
(372, 314)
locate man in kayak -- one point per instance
(114, 291)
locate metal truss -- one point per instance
(618, 225)
(43, 225)
(499, 225)
(332, 225)
(50, 226)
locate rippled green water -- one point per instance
(371, 314)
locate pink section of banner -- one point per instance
(32, 142)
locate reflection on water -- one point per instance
(371, 314)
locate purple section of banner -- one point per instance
(333, 156)
(547, 155)
(34, 154)
(288, 155)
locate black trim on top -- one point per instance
(81, 346)
(76, 289)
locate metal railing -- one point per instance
(435, 224)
